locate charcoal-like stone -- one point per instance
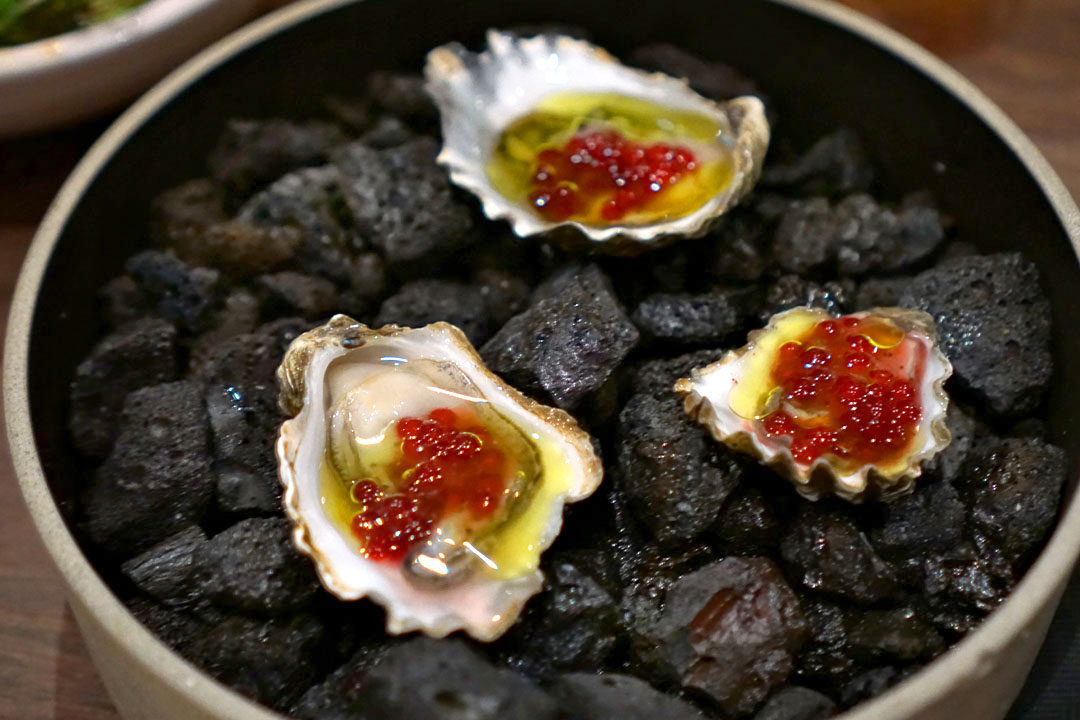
(1016, 493)
(421, 302)
(890, 635)
(254, 567)
(711, 79)
(299, 294)
(568, 342)
(177, 629)
(426, 679)
(968, 579)
(181, 215)
(930, 519)
(139, 354)
(168, 571)
(403, 95)
(340, 696)
(797, 703)
(505, 294)
(271, 661)
(157, 480)
(826, 658)
(612, 696)
(704, 319)
(183, 295)
(657, 377)
(791, 291)
(835, 165)
(730, 630)
(676, 477)
(748, 524)
(827, 553)
(253, 153)
(873, 682)
(993, 322)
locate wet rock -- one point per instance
(994, 325)
(930, 519)
(183, 295)
(827, 553)
(836, 165)
(748, 523)
(168, 571)
(713, 80)
(567, 343)
(791, 291)
(585, 696)
(254, 567)
(140, 354)
(872, 683)
(797, 703)
(657, 377)
(890, 635)
(730, 630)
(157, 480)
(827, 658)
(705, 319)
(963, 585)
(403, 95)
(425, 679)
(181, 215)
(299, 294)
(420, 302)
(675, 476)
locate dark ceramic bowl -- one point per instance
(822, 65)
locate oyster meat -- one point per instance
(553, 133)
(850, 405)
(417, 478)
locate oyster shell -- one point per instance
(345, 386)
(481, 95)
(722, 396)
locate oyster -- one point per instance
(673, 160)
(851, 405)
(417, 478)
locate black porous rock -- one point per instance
(183, 213)
(675, 476)
(567, 343)
(310, 202)
(657, 377)
(252, 153)
(402, 203)
(892, 635)
(176, 628)
(879, 292)
(856, 236)
(826, 659)
(714, 80)
(239, 314)
(168, 572)
(271, 661)
(730, 631)
(505, 294)
(748, 524)
(339, 696)
(835, 165)
(426, 679)
(122, 302)
(299, 294)
(874, 682)
(930, 519)
(139, 354)
(797, 703)
(964, 430)
(584, 696)
(421, 302)
(157, 480)
(826, 552)
(387, 131)
(703, 319)
(993, 322)
(791, 291)
(241, 248)
(741, 245)
(1016, 492)
(183, 295)
(963, 585)
(254, 567)
(403, 96)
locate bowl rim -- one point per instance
(1040, 586)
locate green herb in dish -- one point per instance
(23, 21)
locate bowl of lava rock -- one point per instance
(553, 361)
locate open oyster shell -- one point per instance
(707, 395)
(481, 95)
(405, 372)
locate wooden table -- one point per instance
(1032, 69)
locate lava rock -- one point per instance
(420, 302)
(1016, 492)
(168, 571)
(882, 635)
(252, 153)
(676, 477)
(271, 661)
(183, 295)
(387, 131)
(993, 322)
(657, 377)
(505, 295)
(705, 319)
(611, 696)
(239, 315)
(140, 354)
(426, 679)
(874, 682)
(713, 80)
(180, 215)
(157, 480)
(826, 659)
(740, 247)
(122, 302)
(179, 630)
(748, 523)
(791, 291)
(339, 696)
(568, 342)
(950, 463)
(827, 553)
(930, 519)
(403, 95)
(879, 292)
(242, 248)
(797, 703)
(963, 585)
(836, 165)
(730, 630)
(299, 294)
(254, 567)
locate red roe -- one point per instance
(447, 465)
(847, 388)
(604, 168)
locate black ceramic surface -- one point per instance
(817, 76)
